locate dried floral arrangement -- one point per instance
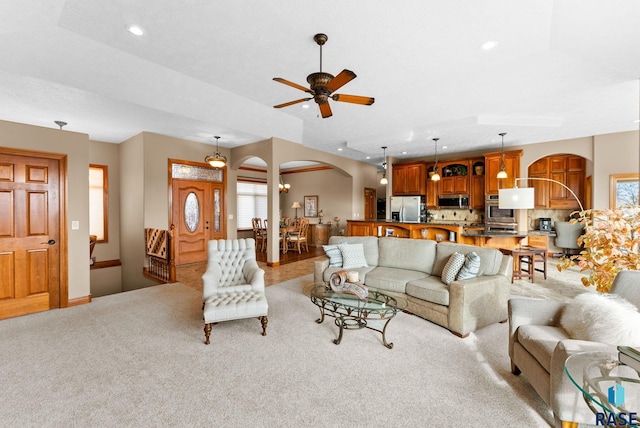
(611, 243)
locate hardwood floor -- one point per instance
(292, 265)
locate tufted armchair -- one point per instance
(233, 284)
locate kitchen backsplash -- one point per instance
(470, 216)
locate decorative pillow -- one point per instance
(471, 266)
(604, 318)
(451, 269)
(334, 254)
(353, 256)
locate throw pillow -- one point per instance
(471, 266)
(334, 254)
(451, 269)
(604, 318)
(353, 256)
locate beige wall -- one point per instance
(614, 154)
(108, 280)
(76, 147)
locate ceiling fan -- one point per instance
(322, 86)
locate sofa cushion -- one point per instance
(471, 266)
(430, 289)
(451, 269)
(353, 256)
(605, 318)
(370, 244)
(334, 254)
(490, 258)
(540, 341)
(391, 279)
(410, 254)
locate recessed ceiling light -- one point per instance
(305, 105)
(340, 149)
(489, 45)
(368, 157)
(444, 147)
(135, 30)
(404, 153)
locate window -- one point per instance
(623, 190)
(98, 202)
(252, 202)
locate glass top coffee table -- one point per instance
(610, 388)
(351, 313)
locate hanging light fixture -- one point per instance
(384, 179)
(217, 160)
(503, 167)
(436, 176)
(283, 187)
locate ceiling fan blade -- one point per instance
(290, 103)
(340, 80)
(325, 110)
(354, 99)
(293, 85)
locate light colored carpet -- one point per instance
(138, 359)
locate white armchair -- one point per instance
(233, 284)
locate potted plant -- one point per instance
(611, 243)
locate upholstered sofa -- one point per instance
(539, 346)
(411, 269)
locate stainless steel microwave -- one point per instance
(453, 201)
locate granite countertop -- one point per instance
(490, 234)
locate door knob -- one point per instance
(50, 242)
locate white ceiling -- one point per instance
(561, 69)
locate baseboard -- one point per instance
(79, 301)
(273, 264)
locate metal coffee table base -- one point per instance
(353, 323)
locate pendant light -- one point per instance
(503, 167)
(436, 176)
(217, 160)
(384, 179)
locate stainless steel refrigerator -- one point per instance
(405, 208)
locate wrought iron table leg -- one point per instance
(319, 320)
(384, 340)
(340, 323)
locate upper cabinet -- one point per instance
(568, 170)
(432, 188)
(454, 178)
(409, 179)
(476, 183)
(492, 163)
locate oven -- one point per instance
(498, 219)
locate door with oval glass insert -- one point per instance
(197, 209)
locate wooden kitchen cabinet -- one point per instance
(454, 178)
(492, 163)
(409, 179)
(432, 190)
(568, 170)
(476, 183)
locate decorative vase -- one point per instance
(479, 169)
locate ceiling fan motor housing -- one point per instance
(318, 82)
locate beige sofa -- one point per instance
(411, 269)
(538, 348)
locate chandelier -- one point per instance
(217, 160)
(283, 187)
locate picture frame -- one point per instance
(311, 206)
(388, 232)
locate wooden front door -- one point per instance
(29, 235)
(197, 213)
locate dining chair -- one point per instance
(298, 237)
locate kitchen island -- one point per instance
(459, 232)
